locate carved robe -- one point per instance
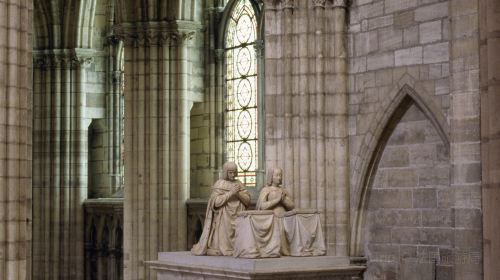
(279, 201)
(217, 237)
(267, 198)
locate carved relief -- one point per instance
(170, 33)
(319, 3)
(339, 3)
(288, 4)
(63, 58)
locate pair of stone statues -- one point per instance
(256, 233)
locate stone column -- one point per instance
(114, 120)
(59, 162)
(490, 133)
(306, 107)
(464, 121)
(15, 138)
(157, 114)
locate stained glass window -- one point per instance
(241, 112)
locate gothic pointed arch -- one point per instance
(374, 145)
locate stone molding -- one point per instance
(219, 55)
(290, 4)
(339, 3)
(319, 3)
(117, 77)
(157, 33)
(259, 48)
(63, 58)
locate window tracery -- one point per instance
(241, 93)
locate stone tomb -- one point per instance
(258, 240)
(185, 266)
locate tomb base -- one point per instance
(184, 266)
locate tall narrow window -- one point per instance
(241, 100)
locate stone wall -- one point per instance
(409, 51)
(409, 218)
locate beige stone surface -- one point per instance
(228, 198)
(335, 77)
(183, 265)
(259, 234)
(16, 125)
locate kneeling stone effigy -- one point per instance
(275, 229)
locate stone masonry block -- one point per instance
(399, 5)
(380, 22)
(422, 155)
(437, 218)
(393, 198)
(371, 10)
(408, 56)
(395, 157)
(431, 12)
(380, 60)
(405, 235)
(415, 269)
(410, 36)
(404, 19)
(436, 236)
(468, 218)
(430, 31)
(436, 53)
(365, 42)
(424, 198)
(434, 176)
(390, 38)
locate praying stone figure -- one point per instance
(227, 199)
(274, 196)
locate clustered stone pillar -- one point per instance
(465, 138)
(157, 117)
(490, 134)
(15, 138)
(306, 107)
(59, 162)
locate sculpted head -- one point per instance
(274, 176)
(230, 171)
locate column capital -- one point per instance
(319, 3)
(63, 58)
(287, 4)
(157, 33)
(338, 3)
(279, 4)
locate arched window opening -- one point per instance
(241, 92)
